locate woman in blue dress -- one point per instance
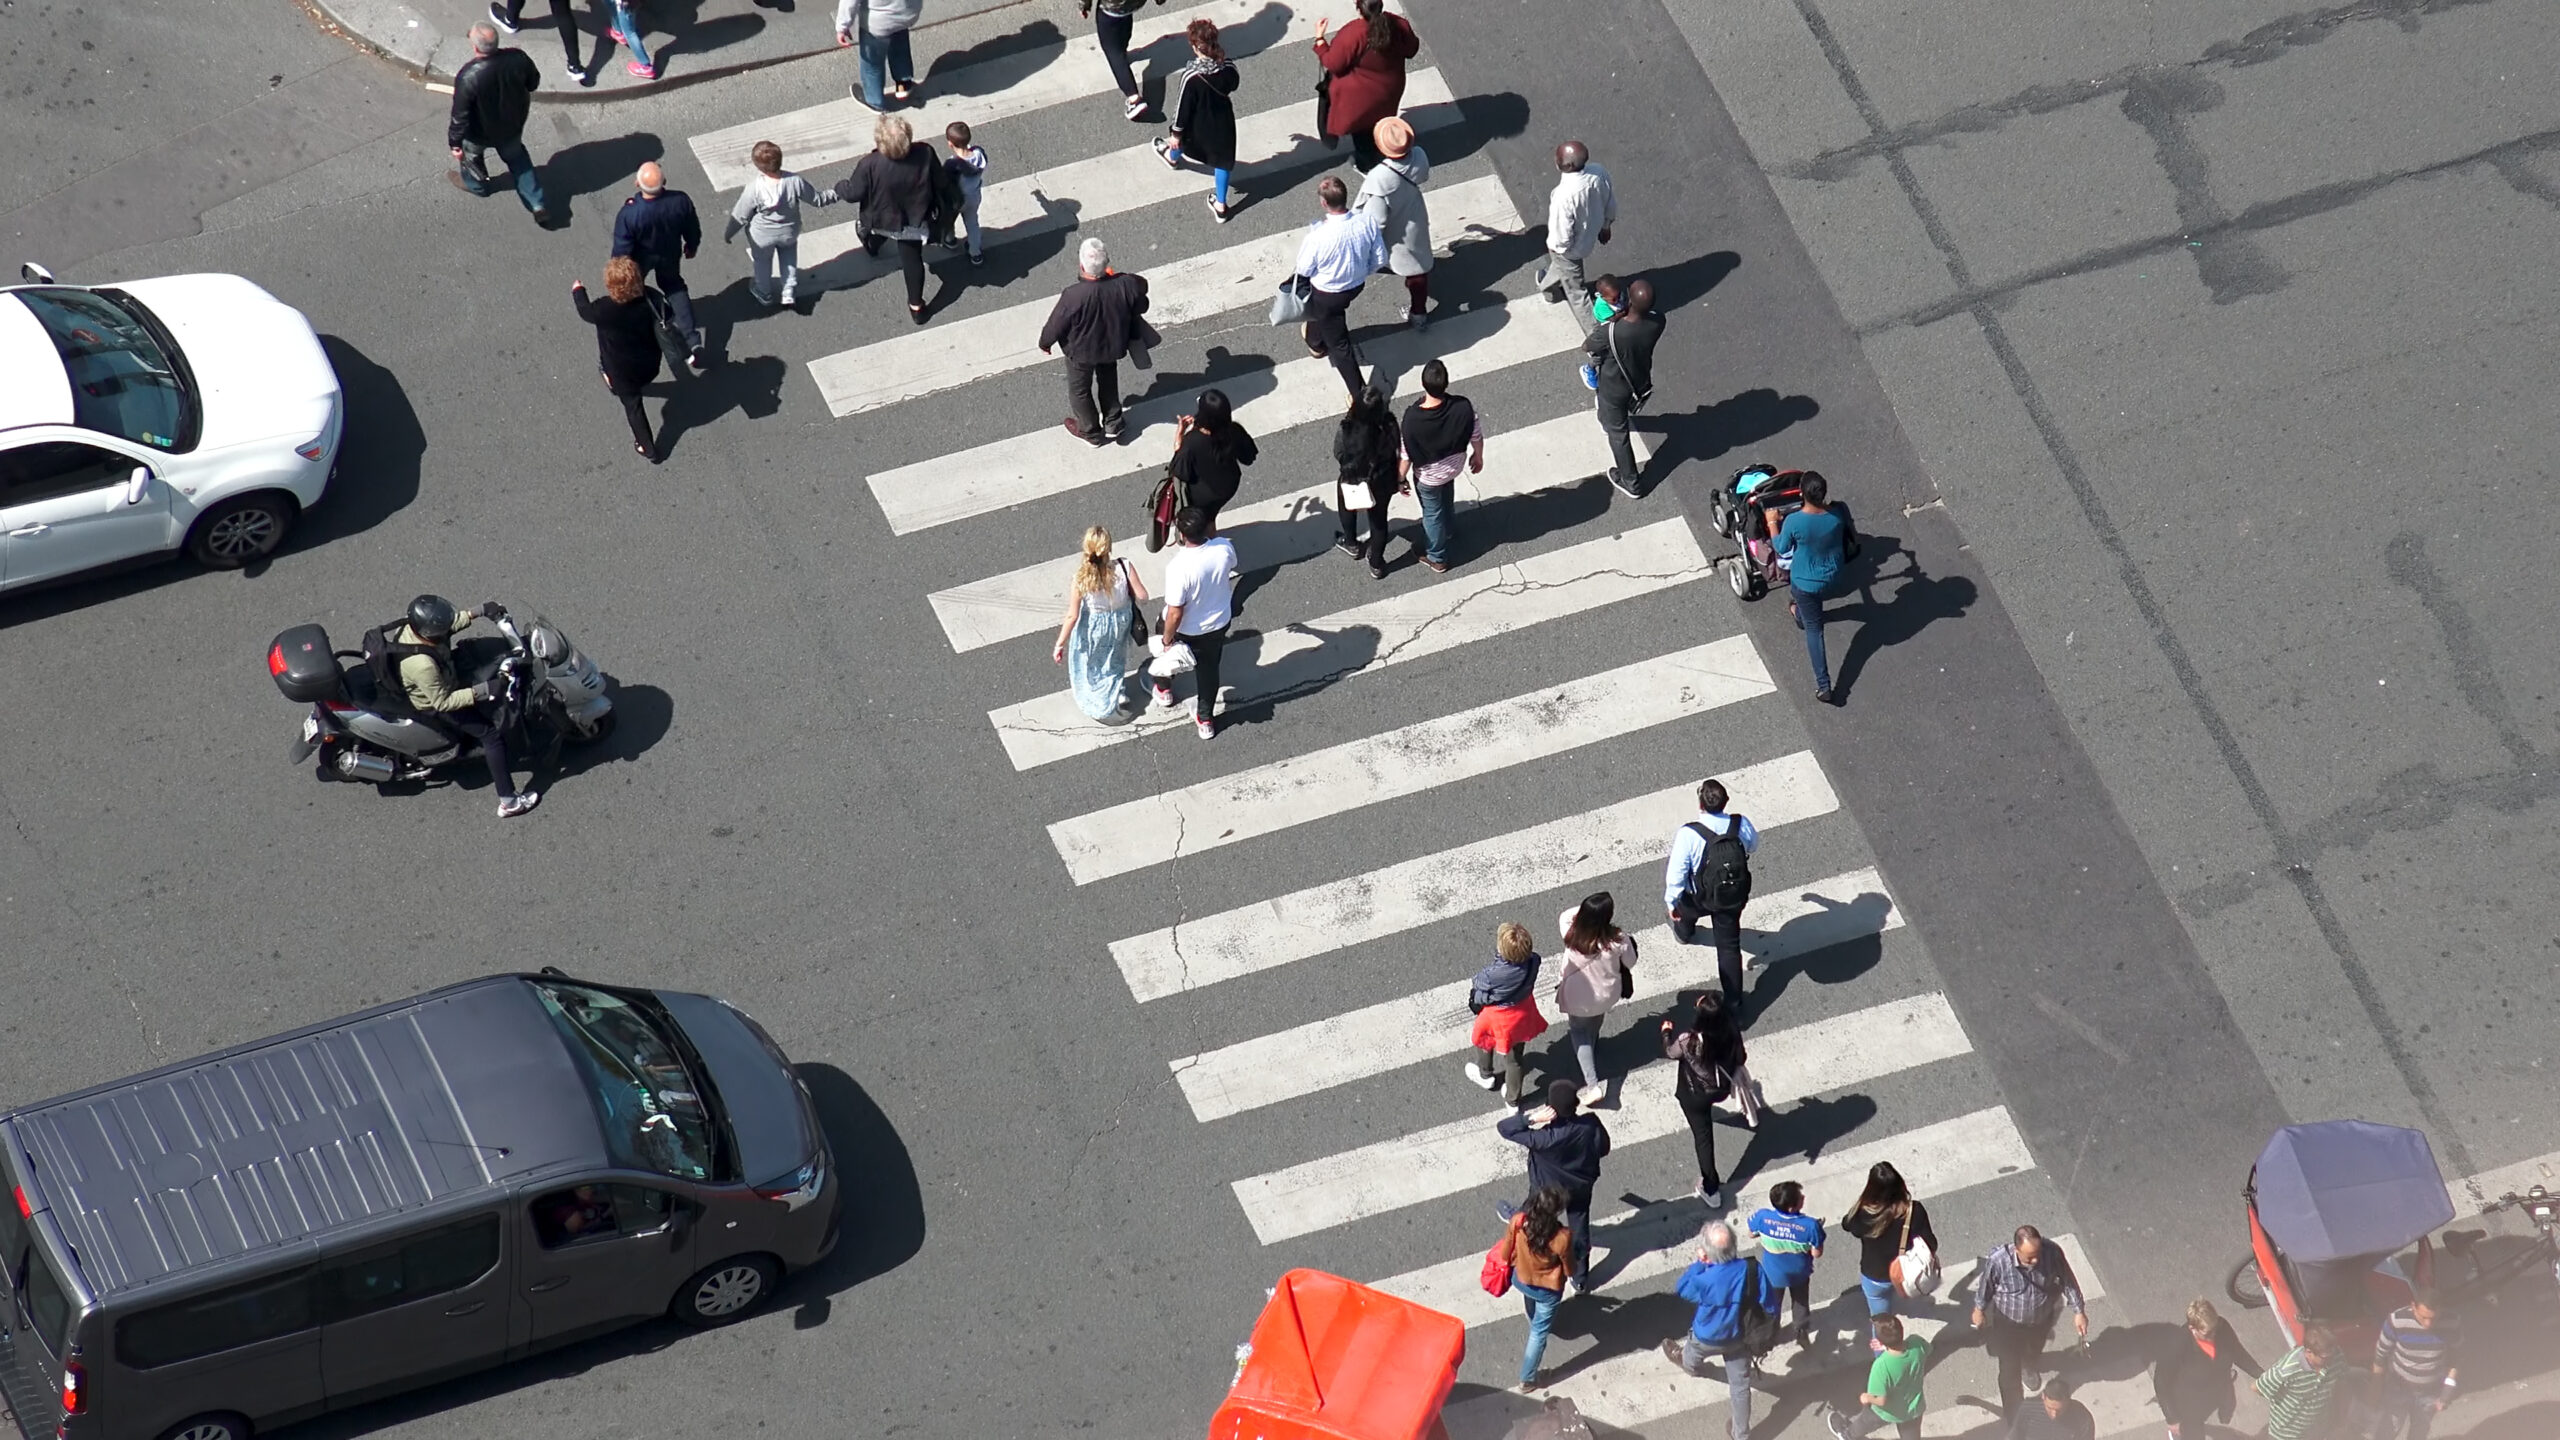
(1093, 637)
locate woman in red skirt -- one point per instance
(1504, 999)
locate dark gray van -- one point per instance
(401, 1196)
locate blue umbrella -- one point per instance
(2345, 1189)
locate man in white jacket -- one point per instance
(1579, 213)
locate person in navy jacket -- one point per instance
(658, 228)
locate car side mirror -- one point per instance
(36, 273)
(138, 486)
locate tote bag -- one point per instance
(1289, 307)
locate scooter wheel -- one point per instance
(603, 729)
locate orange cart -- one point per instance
(1334, 1360)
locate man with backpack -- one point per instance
(1736, 1320)
(1709, 877)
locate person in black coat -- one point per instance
(1566, 1145)
(1365, 449)
(1097, 318)
(900, 193)
(492, 94)
(2192, 1384)
(1204, 117)
(1210, 451)
(626, 322)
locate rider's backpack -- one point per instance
(382, 657)
(1759, 1332)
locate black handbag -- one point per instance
(1324, 109)
(1137, 614)
(672, 343)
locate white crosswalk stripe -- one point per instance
(1078, 196)
(1357, 1044)
(1049, 461)
(916, 364)
(1294, 526)
(1449, 883)
(1427, 620)
(1811, 1059)
(989, 90)
(1174, 824)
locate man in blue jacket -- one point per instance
(1717, 1282)
(658, 228)
(1565, 1149)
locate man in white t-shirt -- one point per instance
(1199, 602)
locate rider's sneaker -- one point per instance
(518, 803)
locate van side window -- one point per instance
(598, 1212)
(382, 1276)
(218, 1320)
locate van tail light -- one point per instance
(19, 1194)
(75, 1377)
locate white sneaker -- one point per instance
(1592, 1094)
(1475, 1072)
(2032, 1381)
(1164, 697)
(518, 803)
(1712, 1197)
(1208, 728)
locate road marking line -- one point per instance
(1417, 892)
(1813, 1059)
(1428, 620)
(1267, 533)
(1339, 1049)
(1049, 461)
(1172, 824)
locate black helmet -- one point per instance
(431, 617)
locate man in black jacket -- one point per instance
(492, 94)
(658, 228)
(1565, 1149)
(1621, 352)
(1097, 318)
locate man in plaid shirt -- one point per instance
(2021, 1291)
(2298, 1389)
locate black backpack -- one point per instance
(1722, 880)
(1759, 1330)
(382, 656)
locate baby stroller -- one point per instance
(1749, 508)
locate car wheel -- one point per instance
(2246, 1287)
(238, 531)
(724, 1292)
(210, 1427)
(602, 730)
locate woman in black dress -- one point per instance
(1365, 450)
(626, 342)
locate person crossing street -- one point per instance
(1096, 319)
(658, 228)
(2020, 1291)
(1341, 251)
(1709, 878)
(1581, 211)
(492, 96)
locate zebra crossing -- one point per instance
(1697, 697)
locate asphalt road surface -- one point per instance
(2182, 368)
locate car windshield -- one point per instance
(655, 1115)
(124, 379)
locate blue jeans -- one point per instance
(1879, 1295)
(1737, 1379)
(626, 21)
(1439, 520)
(1542, 1305)
(1808, 606)
(892, 54)
(475, 171)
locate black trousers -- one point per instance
(1365, 155)
(1329, 327)
(560, 21)
(493, 746)
(639, 419)
(1205, 652)
(1093, 397)
(2016, 1347)
(1701, 1114)
(1727, 928)
(1114, 32)
(911, 260)
(1375, 551)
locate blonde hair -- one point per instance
(2201, 1316)
(1093, 572)
(892, 136)
(1511, 942)
(767, 157)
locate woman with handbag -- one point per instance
(1539, 1250)
(1364, 453)
(900, 193)
(1597, 973)
(1885, 1221)
(1093, 638)
(1363, 80)
(1210, 451)
(1714, 1063)
(627, 347)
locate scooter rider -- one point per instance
(422, 650)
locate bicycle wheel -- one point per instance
(2246, 1287)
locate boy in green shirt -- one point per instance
(1892, 1396)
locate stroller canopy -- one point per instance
(2345, 1189)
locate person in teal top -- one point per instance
(1893, 1395)
(1814, 541)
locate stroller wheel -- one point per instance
(1721, 515)
(1746, 584)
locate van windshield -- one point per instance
(656, 1115)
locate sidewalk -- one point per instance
(691, 40)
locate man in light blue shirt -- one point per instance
(1814, 541)
(1706, 879)
(1338, 256)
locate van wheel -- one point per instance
(211, 1427)
(724, 1292)
(236, 532)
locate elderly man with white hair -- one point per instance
(1722, 1285)
(1098, 319)
(492, 95)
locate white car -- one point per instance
(193, 412)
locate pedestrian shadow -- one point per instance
(1912, 600)
(1859, 922)
(1690, 280)
(1470, 277)
(1243, 375)
(1712, 430)
(593, 165)
(1031, 45)
(1802, 1130)
(1490, 526)
(752, 386)
(1501, 115)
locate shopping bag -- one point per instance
(1289, 307)
(1915, 1270)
